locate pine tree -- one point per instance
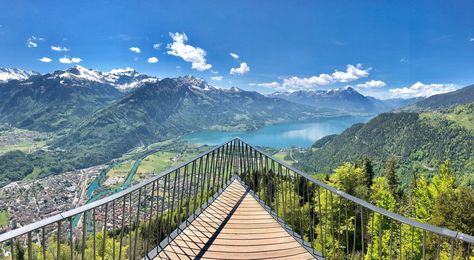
(368, 171)
(391, 176)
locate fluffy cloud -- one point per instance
(32, 42)
(45, 60)
(152, 60)
(217, 78)
(67, 60)
(235, 56)
(135, 49)
(242, 70)
(372, 84)
(352, 72)
(156, 46)
(471, 39)
(294, 83)
(188, 53)
(422, 90)
(59, 48)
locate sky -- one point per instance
(386, 49)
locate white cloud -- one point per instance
(32, 42)
(45, 60)
(59, 48)
(422, 90)
(235, 56)
(156, 46)
(372, 84)
(297, 83)
(242, 70)
(352, 73)
(152, 60)
(67, 60)
(135, 49)
(471, 39)
(188, 53)
(217, 78)
(215, 72)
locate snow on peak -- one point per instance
(124, 71)
(80, 73)
(7, 74)
(127, 78)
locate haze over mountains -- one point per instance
(343, 99)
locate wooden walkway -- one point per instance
(234, 226)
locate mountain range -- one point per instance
(441, 129)
(96, 116)
(93, 121)
(344, 99)
(172, 107)
(7, 74)
(59, 100)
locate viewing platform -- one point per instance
(234, 226)
(233, 202)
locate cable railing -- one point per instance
(130, 224)
(333, 224)
(140, 221)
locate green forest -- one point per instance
(419, 142)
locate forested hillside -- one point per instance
(417, 141)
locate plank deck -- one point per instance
(234, 226)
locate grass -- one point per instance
(156, 162)
(281, 156)
(4, 218)
(461, 116)
(24, 146)
(121, 169)
(20, 139)
(33, 175)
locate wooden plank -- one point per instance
(250, 232)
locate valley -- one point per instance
(126, 132)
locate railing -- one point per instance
(139, 221)
(333, 224)
(131, 223)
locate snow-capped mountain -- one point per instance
(194, 83)
(122, 79)
(127, 79)
(7, 74)
(344, 99)
(79, 73)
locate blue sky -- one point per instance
(383, 48)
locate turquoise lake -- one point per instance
(300, 134)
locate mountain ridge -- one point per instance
(344, 99)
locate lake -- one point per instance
(300, 134)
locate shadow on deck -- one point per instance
(234, 226)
